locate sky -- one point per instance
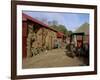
(70, 20)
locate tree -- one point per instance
(59, 27)
(54, 22)
(63, 29)
(69, 33)
(42, 19)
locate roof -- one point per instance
(79, 33)
(60, 35)
(26, 17)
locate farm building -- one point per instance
(37, 36)
(60, 40)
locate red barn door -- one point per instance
(24, 39)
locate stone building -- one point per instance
(37, 36)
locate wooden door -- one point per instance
(24, 39)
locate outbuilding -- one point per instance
(36, 35)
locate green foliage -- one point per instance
(63, 29)
(83, 28)
(60, 28)
(69, 33)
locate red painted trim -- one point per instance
(26, 17)
(60, 35)
(24, 39)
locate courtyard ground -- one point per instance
(51, 58)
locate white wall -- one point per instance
(5, 34)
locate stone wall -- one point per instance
(43, 39)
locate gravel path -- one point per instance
(53, 58)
